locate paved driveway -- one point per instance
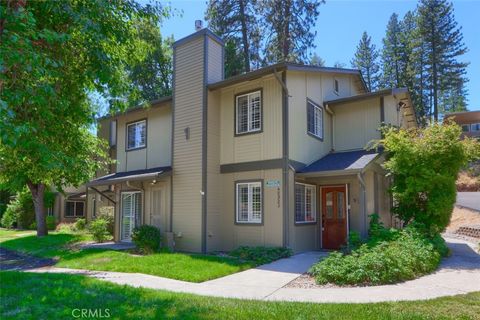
(469, 200)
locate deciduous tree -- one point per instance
(53, 54)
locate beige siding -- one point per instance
(257, 146)
(302, 146)
(159, 132)
(318, 87)
(270, 233)
(215, 61)
(356, 124)
(187, 154)
(215, 228)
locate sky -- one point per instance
(340, 26)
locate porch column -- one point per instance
(363, 204)
(116, 217)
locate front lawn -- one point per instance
(55, 296)
(180, 266)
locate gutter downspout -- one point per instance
(332, 127)
(363, 200)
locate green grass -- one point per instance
(180, 266)
(55, 296)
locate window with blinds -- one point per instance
(249, 202)
(249, 112)
(314, 119)
(305, 203)
(137, 135)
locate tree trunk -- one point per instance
(286, 32)
(38, 192)
(246, 50)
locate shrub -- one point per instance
(261, 255)
(110, 221)
(389, 256)
(424, 164)
(51, 223)
(99, 230)
(80, 224)
(147, 238)
(9, 218)
(66, 227)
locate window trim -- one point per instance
(314, 205)
(74, 209)
(262, 198)
(126, 134)
(323, 120)
(235, 114)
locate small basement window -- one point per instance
(75, 209)
(305, 203)
(136, 135)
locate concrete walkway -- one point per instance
(470, 200)
(458, 274)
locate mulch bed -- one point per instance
(13, 260)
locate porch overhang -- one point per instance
(134, 175)
(340, 164)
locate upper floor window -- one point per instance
(113, 133)
(249, 202)
(314, 119)
(475, 126)
(305, 203)
(136, 135)
(335, 86)
(248, 112)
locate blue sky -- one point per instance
(341, 24)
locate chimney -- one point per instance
(198, 25)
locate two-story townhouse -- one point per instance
(273, 157)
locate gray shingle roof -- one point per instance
(350, 160)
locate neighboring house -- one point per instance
(273, 157)
(468, 120)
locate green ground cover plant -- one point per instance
(64, 247)
(54, 296)
(261, 255)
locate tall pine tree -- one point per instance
(237, 23)
(442, 41)
(288, 28)
(365, 60)
(392, 55)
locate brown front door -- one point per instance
(334, 217)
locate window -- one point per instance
(74, 209)
(50, 211)
(335, 86)
(314, 120)
(305, 203)
(465, 127)
(113, 133)
(249, 112)
(136, 135)
(475, 127)
(249, 202)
